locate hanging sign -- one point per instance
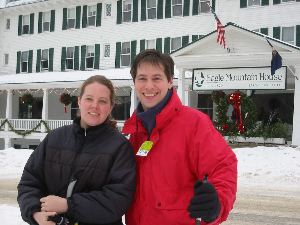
(239, 78)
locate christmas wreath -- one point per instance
(243, 117)
(65, 99)
(27, 99)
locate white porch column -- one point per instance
(181, 85)
(45, 108)
(133, 100)
(296, 119)
(8, 115)
(187, 98)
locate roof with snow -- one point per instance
(12, 3)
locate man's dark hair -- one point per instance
(156, 58)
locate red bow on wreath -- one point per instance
(235, 101)
(66, 99)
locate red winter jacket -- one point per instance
(186, 147)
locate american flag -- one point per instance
(220, 30)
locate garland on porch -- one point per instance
(25, 133)
(243, 118)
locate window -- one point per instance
(125, 54)
(25, 27)
(204, 6)
(253, 2)
(45, 59)
(108, 9)
(7, 24)
(127, 9)
(70, 58)
(287, 0)
(89, 57)
(151, 9)
(46, 21)
(175, 43)
(24, 62)
(121, 110)
(106, 50)
(288, 35)
(150, 44)
(71, 18)
(91, 13)
(177, 7)
(6, 58)
(205, 104)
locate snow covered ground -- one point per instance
(275, 168)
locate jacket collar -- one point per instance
(90, 131)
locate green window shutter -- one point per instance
(40, 22)
(195, 37)
(168, 9)
(265, 2)
(132, 51)
(264, 31)
(51, 55)
(243, 3)
(159, 44)
(167, 45)
(143, 10)
(160, 6)
(78, 15)
(76, 58)
(18, 62)
(297, 0)
(99, 15)
(276, 32)
(298, 35)
(97, 56)
(213, 5)
(83, 53)
(63, 58)
(195, 7)
(84, 16)
(52, 21)
(275, 2)
(31, 23)
(119, 14)
(30, 55)
(135, 11)
(20, 25)
(64, 22)
(185, 40)
(142, 45)
(38, 61)
(186, 8)
(118, 55)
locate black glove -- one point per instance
(58, 220)
(205, 204)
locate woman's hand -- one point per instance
(53, 203)
(42, 218)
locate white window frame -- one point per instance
(108, 9)
(24, 60)
(176, 39)
(294, 34)
(127, 10)
(150, 44)
(90, 54)
(7, 25)
(177, 4)
(253, 3)
(70, 57)
(46, 20)
(151, 8)
(125, 53)
(25, 23)
(71, 18)
(6, 59)
(201, 8)
(44, 60)
(106, 52)
(91, 15)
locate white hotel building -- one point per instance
(48, 47)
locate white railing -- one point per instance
(52, 124)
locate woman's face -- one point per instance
(95, 105)
(151, 84)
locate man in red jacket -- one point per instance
(186, 172)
